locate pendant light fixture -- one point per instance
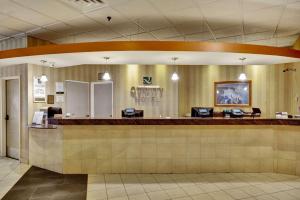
(43, 78)
(174, 76)
(243, 76)
(106, 75)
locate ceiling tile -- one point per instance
(288, 25)
(199, 37)
(127, 28)
(292, 11)
(142, 36)
(250, 5)
(184, 15)
(234, 39)
(166, 33)
(84, 23)
(15, 24)
(228, 32)
(267, 18)
(26, 15)
(221, 8)
(258, 36)
(54, 9)
(191, 27)
(169, 5)
(105, 33)
(153, 23)
(134, 9)
(219, 22)
(249, 29)
(59, 28)
(6, 31)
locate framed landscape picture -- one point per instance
(233, 93)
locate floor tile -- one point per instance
(220, 195)
(237, 194)
(158, 195)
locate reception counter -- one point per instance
(181, 145)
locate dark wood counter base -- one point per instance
(174, 121)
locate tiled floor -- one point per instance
(41, 184)
(10, 172)
(222, 186)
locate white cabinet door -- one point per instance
(77, 98)
(102, 99)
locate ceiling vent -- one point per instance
(85, 5)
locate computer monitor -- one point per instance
(202, 112)
(132, 112)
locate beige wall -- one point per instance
(35, 70)
(270, 86)
(126, 76)
(292, 88)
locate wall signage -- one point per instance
(59, 88)
(147, 80)
(39, 90)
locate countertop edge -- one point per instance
(174, 121)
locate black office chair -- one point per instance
(53, 111)
(256, 112)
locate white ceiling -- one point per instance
(264, 22)
(149, 58)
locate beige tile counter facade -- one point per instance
(46, 149)
(175, 149)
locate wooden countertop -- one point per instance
(174, 121)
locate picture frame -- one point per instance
(39, 90)
(233, 93)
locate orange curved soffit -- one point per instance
(150, 46)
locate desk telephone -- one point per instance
(234, 113)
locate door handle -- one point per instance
(7, 117)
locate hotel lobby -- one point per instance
(150, 100)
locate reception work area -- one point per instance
(114, 114)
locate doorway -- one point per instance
(11, 113)
(102, 99)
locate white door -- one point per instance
(77, 98)
(12, 118)
(102, 99)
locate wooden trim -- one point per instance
(233, 105)
(150, 46)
